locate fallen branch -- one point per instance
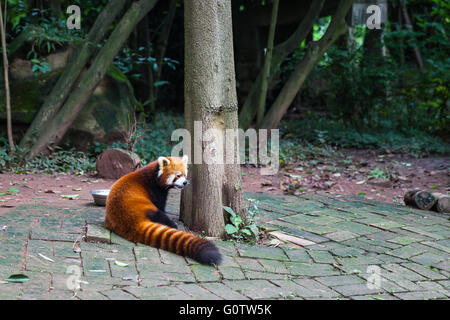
(289, 238)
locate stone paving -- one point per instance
(363, 250)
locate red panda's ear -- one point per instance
(185, 159)
(163, 161)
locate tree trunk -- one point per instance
(280, 52)
(409, 26)
(162, 41)
(210, 97)
(71, 73)
(55, 7)
(29, 34)
(266, 69)
(313, 54)
(57, 127)
(12, 148)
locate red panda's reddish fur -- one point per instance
(135, 210)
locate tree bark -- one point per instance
(162, 41)
(280, 52)
(65, 83)
(409, 26)
(266, 68)
(58, 126)
(55, 7)
(29, 34)
(12, 148)
(210, 97)
(313, 54)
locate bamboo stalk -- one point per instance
(266, 69)
(7, 89)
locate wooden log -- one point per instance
(442, 203)
(115, 163)
(409, 197)
(420, 199)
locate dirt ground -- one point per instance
(382, 177)
(356, 174)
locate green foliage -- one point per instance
(239, 230)
(50, 32)
(17, 10)
(63, 161)
(40, 66)
(131, 62)
(4, 152)
(365, 100)
(151, 140)
(11, 191)
(315, 132)
(366, 90)
(378, 173)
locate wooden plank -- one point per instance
(289, 238)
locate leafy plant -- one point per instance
(378, 173)
(64, 161)
(18, 278)
(40, 66)
(238, 230)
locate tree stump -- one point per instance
(419, 199)
(442, 203)
(115, 163)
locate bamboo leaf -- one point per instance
(120, 264)
(18, 278)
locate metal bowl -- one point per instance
(100, 196)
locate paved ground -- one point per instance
(403, 252)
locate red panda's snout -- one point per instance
(181, 183)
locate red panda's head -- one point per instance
(173, 171)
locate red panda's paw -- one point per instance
(172, 224)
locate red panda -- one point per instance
(135, 210)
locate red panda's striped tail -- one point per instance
(208, 254)
(180, 242)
